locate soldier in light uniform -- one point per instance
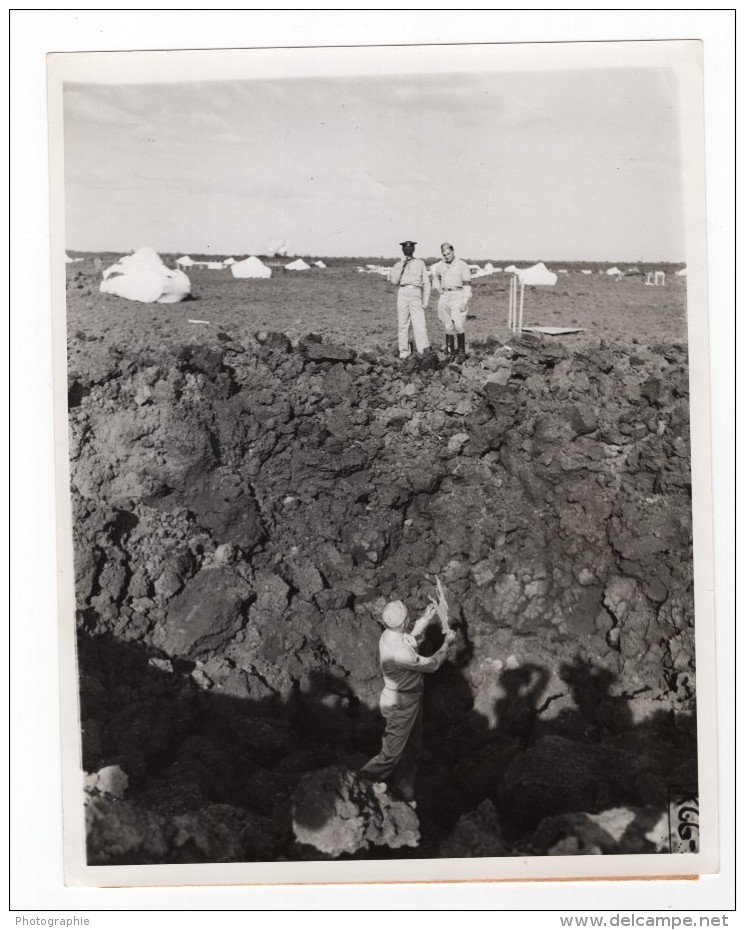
(401, 697)
(412, 280)
(452, 278)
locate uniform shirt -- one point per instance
(412, 271)
(451, 274)
(400, 663)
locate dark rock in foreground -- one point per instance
(336, 812)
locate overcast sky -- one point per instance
(571, 165)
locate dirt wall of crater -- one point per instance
(243, 511)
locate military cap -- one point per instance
(407, 242)
(394, 615)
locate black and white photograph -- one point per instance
(381, 374)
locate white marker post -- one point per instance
(522, 301)
(511, 303)
(515, 311)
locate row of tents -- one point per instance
(142, 276)
(536, 274)
(251, 267)
(542, 272)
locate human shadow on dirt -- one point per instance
(187, 746)
(581, 750)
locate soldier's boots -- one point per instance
(461, 353)
(449, 344)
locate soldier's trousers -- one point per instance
(411, 311)
(452, 309)
(402, 740)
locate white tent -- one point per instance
(488, 268)
(186, 261)
(277, 246)
(229, 261)
(252, 267)
(215, 266)
(586, 271)
(614, 272)
(298, 265)
(69, 260)
(374, 269)
(683, 273)
(319, 264)
(536, 274)
(142, 276)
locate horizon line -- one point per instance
(215, 256)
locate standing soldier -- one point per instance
(452, 278)
(401, 698)
(412, 279)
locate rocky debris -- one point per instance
(228, 512)
(557, 774)
(277, 342)
(338, 813)
(456, 442)
(120, 833)
(242, 512)
(326, 352)
(554, 775)
(206, 616)
(617, 831)
(476, 834)
(223, 833)
(110, 780)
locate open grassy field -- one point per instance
(359, 309)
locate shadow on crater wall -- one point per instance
(217, 771)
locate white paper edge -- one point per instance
(704, 598)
